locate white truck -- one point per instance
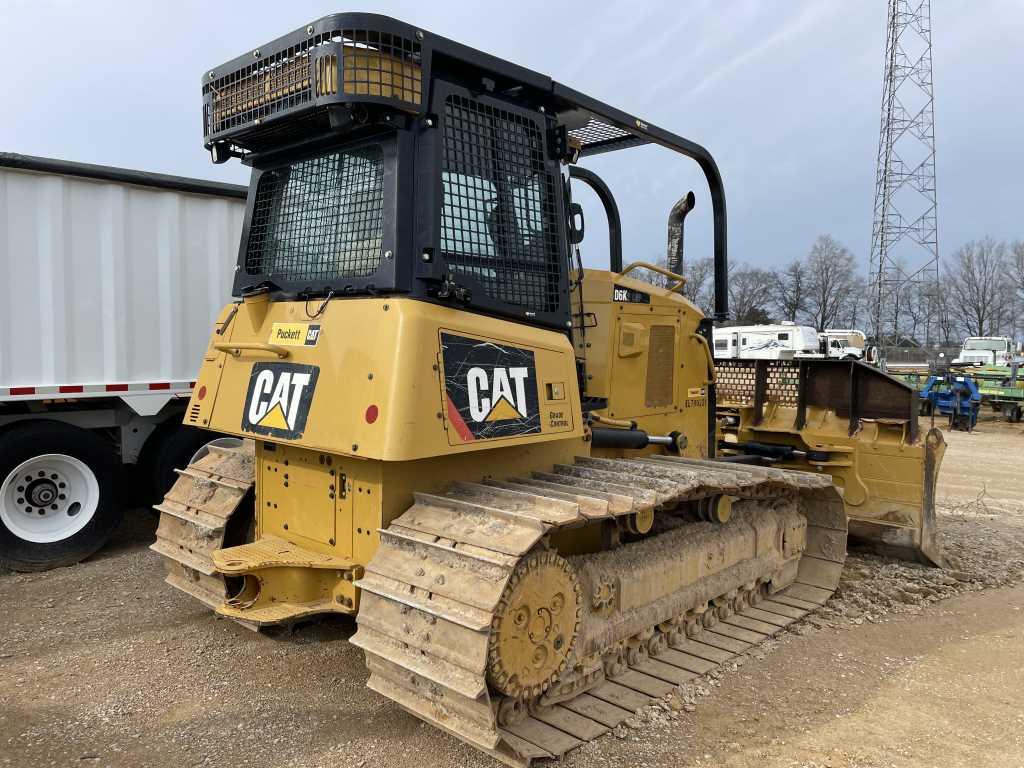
(111, 280)
(987, 350)
(845, 343)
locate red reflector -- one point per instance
(201, 393)
(372, 413)
(69, 388)
(116, 387)
(23, 390)
(160, 385)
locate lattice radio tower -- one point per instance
(904, 238)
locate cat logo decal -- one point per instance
(278, 400)
(490, 389)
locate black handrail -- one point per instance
(611, 211)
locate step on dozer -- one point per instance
(507, 467)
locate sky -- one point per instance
(785, 95)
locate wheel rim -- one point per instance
(220, 442)
(49, 498)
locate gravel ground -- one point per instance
(100, 664)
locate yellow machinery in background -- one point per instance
(850, 421)
(504, 465)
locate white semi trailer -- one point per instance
(109, 282)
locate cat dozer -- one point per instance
(503, 464)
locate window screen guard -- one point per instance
(499, 217)
(319, 220)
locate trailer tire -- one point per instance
(176, 451)
(58, 495)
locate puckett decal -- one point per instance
(295, 334)
(278, 399)
(490, 389)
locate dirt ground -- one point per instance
(101, 664)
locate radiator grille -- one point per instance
(661, 365)
(373, 64)
(736, 379)
(319, 219)
(499, 221)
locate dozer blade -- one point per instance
(850, 421)
(462, 578)
(195, 516)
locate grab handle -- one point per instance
(236, 349)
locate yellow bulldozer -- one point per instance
(529, 482)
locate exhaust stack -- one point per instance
(676, 217)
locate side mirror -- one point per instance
(576, 223)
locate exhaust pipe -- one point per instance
(676, 217)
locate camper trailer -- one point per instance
(787, 341)
(766, 342)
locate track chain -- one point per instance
(431, 593)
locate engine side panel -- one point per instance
(387, 379)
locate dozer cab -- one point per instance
(506, 466)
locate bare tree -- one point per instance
(654, 278)
(749, 297)
(830, 280)
(699, 288)
(944, 322)
(1017, 271)
(980, 288)
(916, 309)
(789, 290)
(853, 312)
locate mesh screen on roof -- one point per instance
(319, 219)
(373, 63)
(499, 219)
(597, 136)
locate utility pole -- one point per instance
(904, 236)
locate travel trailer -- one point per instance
(765, 342)
(787, 341)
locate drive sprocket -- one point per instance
(534, 627)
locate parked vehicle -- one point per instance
(765, 342)
(987, 350)
(112, 281)
(844, 343)
(787, 341)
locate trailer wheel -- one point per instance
(58, 500)
(179, 449)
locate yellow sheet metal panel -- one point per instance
(390, 379)
(494, 391)
(297, 495)
(641, 354)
